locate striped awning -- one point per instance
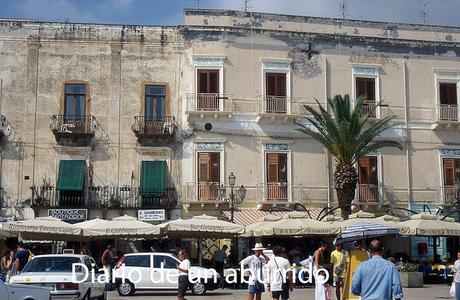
(246, 217)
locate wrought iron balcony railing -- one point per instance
(154, 125)
(72, 124)
(126, 197)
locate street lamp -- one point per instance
(232, 198)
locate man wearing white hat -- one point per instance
(256, 263)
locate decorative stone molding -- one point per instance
(276, 65)
(276, 147)
(209, 61)
(450, 152)
(366, 70)
(209, 146)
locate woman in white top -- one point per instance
(457, 276)
(183, 268)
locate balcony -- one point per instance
(97, 197)
(261, 194)
(447, 117)
(154, 128)
(368, 193)
(279, 108)
(209, 105)
(73, 130)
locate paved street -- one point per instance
(429, 292)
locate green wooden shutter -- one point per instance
(71, 175)
(153, 177)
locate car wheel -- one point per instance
(125, 289)
(199, 288)
(103, 296)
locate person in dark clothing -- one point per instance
(22, 257)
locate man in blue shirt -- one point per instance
(22, 257)
(377, 279)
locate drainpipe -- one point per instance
(406, 124)
(330, 174)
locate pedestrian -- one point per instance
(280, 281)
(85, 251)
(318, 271)
(356, 257)
(4, 264)
(339, 261)
(256, 263)
(11, 266)
(183, 279)
(377, 278)
(107, 264)
(457, 276)
(22, 256)
(219, 263)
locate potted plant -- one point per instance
(410, 275)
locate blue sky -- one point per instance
(170, 12)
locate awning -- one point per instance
(154, 175)
(71, 175)
(246, 217)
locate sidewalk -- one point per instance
(429, 292)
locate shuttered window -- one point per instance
(71, 175)
(275, 84)
(367, 170)
(208, 81)
(208, 167)
(448, 93)
(276, 167)
(75, 95)
(154, 175)
(451, 170)
(365, 86)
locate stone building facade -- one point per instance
(235, 84)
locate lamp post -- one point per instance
(232, 198)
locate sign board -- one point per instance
(69, 214)
(68, 251)
(151, 215)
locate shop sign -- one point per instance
(69, 214)
(151, 215)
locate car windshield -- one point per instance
(52, 264)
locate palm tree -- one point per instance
(348, 136)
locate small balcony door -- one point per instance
(154, 108)
(451, 172)
(277, 176)
(208, 175)
(368, 189)
(275, 93)
(448, 109)
(74, 107)
(208, 90)
(366, 87)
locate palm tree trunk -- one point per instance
(345, 180)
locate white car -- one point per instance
(23, 292)
(142, 271)
(54, 272)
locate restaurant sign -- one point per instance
(151, 215)
(69, 214)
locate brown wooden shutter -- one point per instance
(363, 170)
(270, 83)
(282, 167)
(373, 177)
(281, 84)
(272, 167)
(203, 167)
(360, 87)
(448, 93)
(213, 82)
(449, 171)
(215, 167)
(370, 89)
